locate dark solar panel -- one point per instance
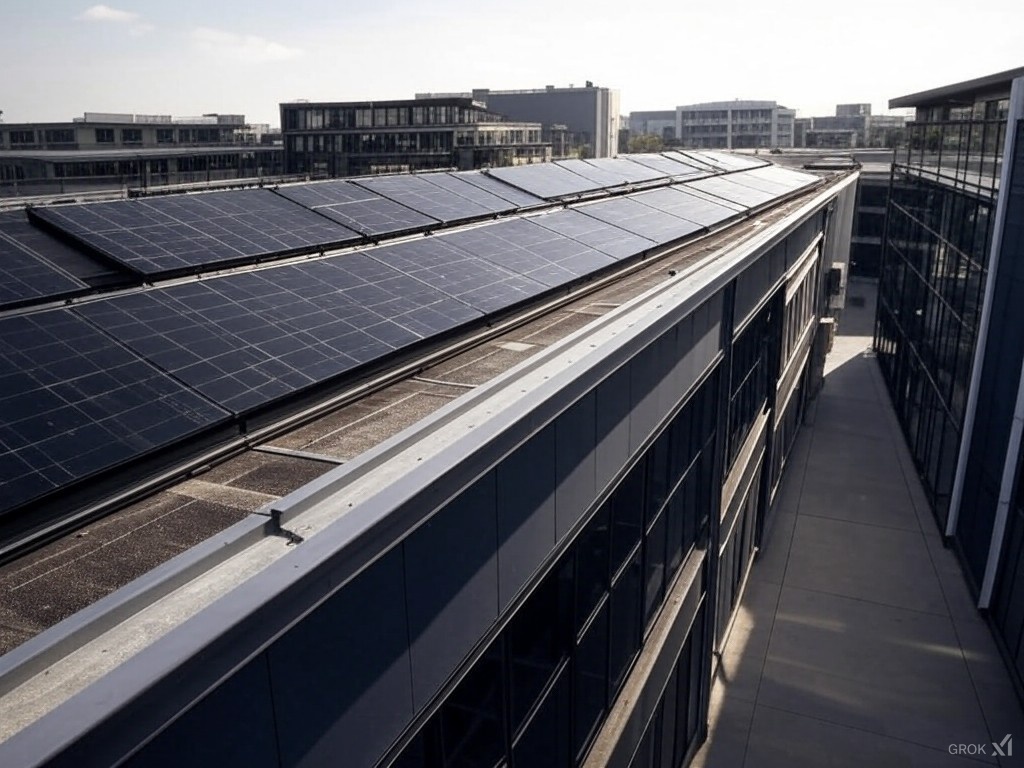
(357, 208)
(545, 180)
(458, 184)
(720, 186)
(429, 199)
(26, 275)
(72, 261)
(74, 402)
(602, 177)
(696, 159)
(189, 232)
(530, 250)
(733, 162)
(622, 168)
(517, 197)
(617, 243)
(640, 219)
(691, 190)
(478, 282)
(248, 339)
(761, 185)
(668, 166)
(784, 176)
(678, 203)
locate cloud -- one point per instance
(247, 48)
(106, 13)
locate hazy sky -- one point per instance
(186, 57)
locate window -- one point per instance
(164, 135)
(104, 135)
(23, 137)
(60, 136)
(131, 136)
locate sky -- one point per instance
(188, 57)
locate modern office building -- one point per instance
(653, 123)
(106, 151)
(852, 125)
(735, 125)
(483, 496)
(332, 139)
(948, 327)
(589, 114)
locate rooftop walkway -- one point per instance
(857, 642)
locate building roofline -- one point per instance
(959, 92)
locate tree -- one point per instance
(646, 142)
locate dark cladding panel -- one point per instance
(73, 402)
(526, 512)
(451, 585)
(575, 463)
(340, 677)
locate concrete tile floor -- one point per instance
(857, 642)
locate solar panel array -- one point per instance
(183, 233)
(26, 272)
(87, 388)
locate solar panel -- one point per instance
(357, 208)
(246, 340)
(602, 177)
(617, 243)
(545, 180)
(691, 190)
(669, 166)
(696, 159)
(458, 185)
(480, 283)
(784, 176)
(189, 232)
(429, 199)
(733, 162)
(676, 202)
(25, 273)
(517, 197)
(73, 402)
(761, 185)
(530, 250)
(720, 186)
(622, 168)
(635, 217)
(83, 266)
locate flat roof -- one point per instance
(961, 93)
(82, 155)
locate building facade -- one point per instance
(361, 138)
(852, 125)
(590, 115)
(735, 125)
(661, 123)
(947, 335)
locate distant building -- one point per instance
(103, 151)
(590, 114)
(368, 137)
(657, 123)
(735, 125)
(852, 125)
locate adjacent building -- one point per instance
(103, 151)
(851, 126)
(948, 326)
(735, 125)
(661, 123)
(369, 137)
(589, 115)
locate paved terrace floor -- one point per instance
(857, 642)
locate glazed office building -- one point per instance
(536, 570)
(948, 326)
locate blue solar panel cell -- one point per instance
(458, 185)
(609, 239)
(73, 402)
(192, 232)
(417, 193)
(480, 283)
(358, 208)
(532, 251)
(545, 180)
(677, 202)
(517, 197)
(640, 219)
